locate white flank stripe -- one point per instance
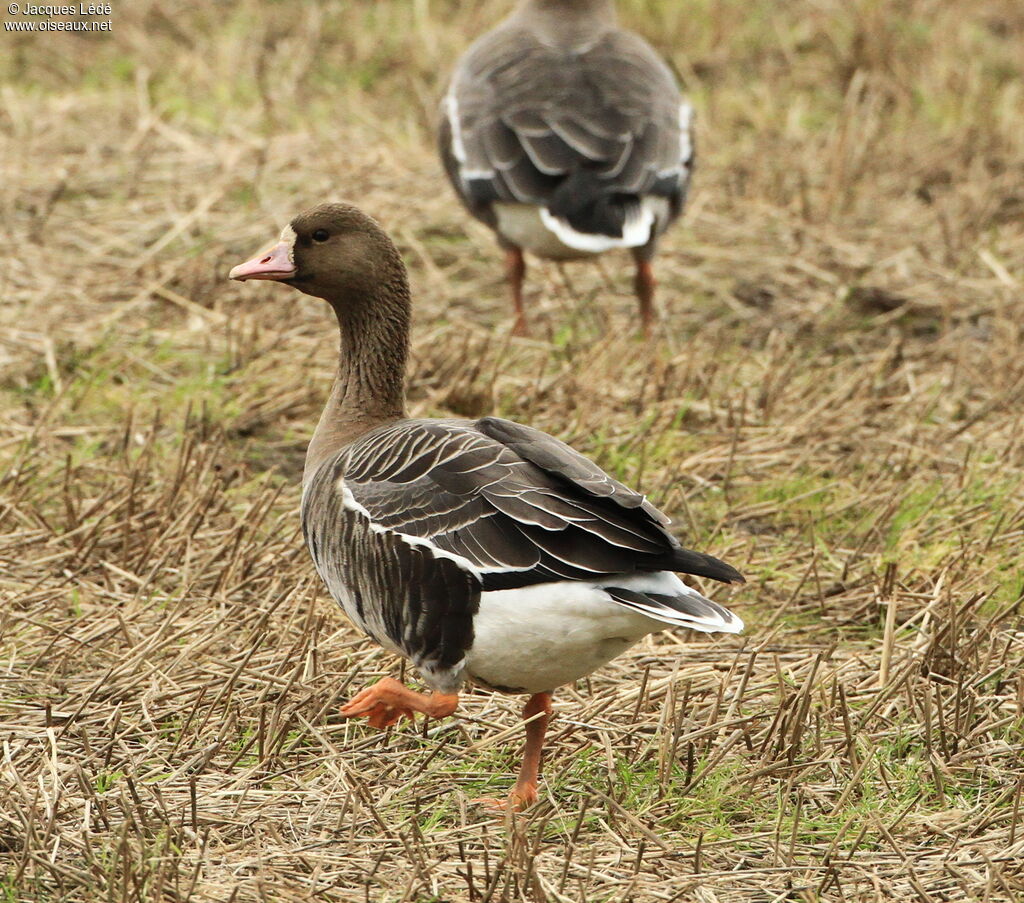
(349, 502)
(685, 125)
(451, 109)
(458, 144)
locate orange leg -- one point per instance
(515, 269)
(524, 793)
(388, 700)
(644, 285)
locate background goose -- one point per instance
(481, 550)
(568, 136)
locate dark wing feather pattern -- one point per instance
(524, 119)
(518, 505)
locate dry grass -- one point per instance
(833, 404)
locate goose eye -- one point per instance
(320, 235)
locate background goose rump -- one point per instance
(568, 136)
(568, 151)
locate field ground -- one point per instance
(833, 403)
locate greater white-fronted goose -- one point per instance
(568, 136)
(480, 550)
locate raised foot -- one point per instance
(388, 700)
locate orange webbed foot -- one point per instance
(378, 715)
(521, 328)
(387, 701)
(521, 797)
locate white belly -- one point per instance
(541, 637)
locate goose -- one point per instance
(568, 136)
(482, 551)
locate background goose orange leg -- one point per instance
(388, 700)
(515, 268)
(644, 285)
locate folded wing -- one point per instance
(516, 505)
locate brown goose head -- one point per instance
(335, 252)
